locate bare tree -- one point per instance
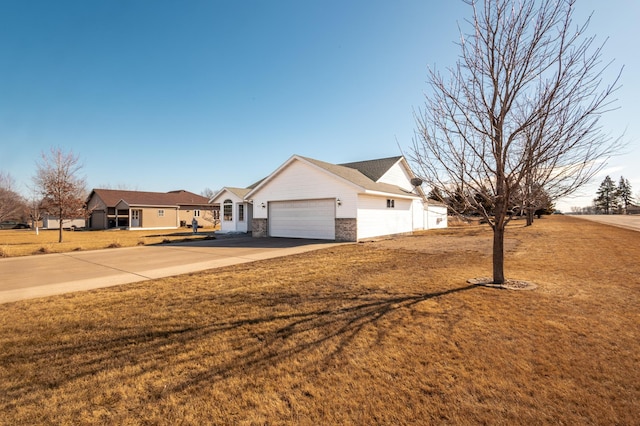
(58, 181)
(530, 200)
(208, 192)
(520, 110)
(35, 210)
(12, 205)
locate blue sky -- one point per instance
(158, 95)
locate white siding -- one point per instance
(418, 215)
(233, 225)
(301, 181)
(301, 184)
(399, 176)
(435, 217)
(376, 219)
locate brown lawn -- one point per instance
(25, 242)
(387, 332)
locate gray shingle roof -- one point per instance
(373, 169)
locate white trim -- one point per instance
(393, 195)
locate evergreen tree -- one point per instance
(435, 195)
(625, 196)
(606, 199)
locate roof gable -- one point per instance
(350, 173)
(240, 193)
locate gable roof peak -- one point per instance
(363, 174)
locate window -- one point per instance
(227, 210)
(391, 203)
(160, 213)
(241, 212)
(196, 213)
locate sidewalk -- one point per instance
(622, 221)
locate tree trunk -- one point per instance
(60, 230)
(530, 214)
(500, 220)
(498, 254)
(500, 223)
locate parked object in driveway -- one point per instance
(12, 224)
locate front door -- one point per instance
(135, 218)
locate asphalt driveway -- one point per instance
(45, 275)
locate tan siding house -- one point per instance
(110, 208)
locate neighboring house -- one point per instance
(53, 222)
(633, 209)
(307, 198)
(110, 208)
(235, 212)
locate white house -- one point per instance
(307, 198)
(235, 212)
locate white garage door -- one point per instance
(314, 219)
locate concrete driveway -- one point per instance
(45, 275)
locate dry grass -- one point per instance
(24, 242)
(376, 333)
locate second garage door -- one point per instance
(313, 219)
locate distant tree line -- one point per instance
(12, 204)
(527, 203)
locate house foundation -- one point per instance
(346, 229)
(259, 228)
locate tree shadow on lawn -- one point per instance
(333, 329)
(199, 355)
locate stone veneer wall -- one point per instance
(346, 229)
(259, 228)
